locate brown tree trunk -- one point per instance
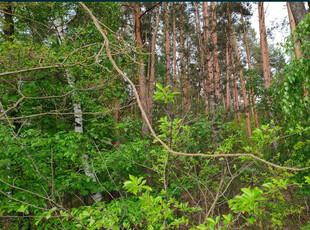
(235, 87)
(265, 57)
(293, 24)
(167, 48)
(228, 96)
(243, 89)
(202, 68)
(152, 71)
(298, 11)
(174, 50)
(141, 67)
(167, 51)
(208, 82)
(264, 44)
(8, 27)
(184, 78)
(297, 50)
(216, 67)
(251, 91)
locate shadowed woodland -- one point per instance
(153, 115)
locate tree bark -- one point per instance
(152, 72)
(297, 50)
(174, 50)
(264, 44)
(184, 78)
(228, 71)
(202, 61)
(251, 91)
(265, 57)
(235, 87)
(243, 89)
(141, 66)
(298, 11)
(208, 81)
(167, 52)
(8, 27)
(216, 67)
(167, 48)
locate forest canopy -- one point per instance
(153, 115)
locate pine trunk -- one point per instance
(243, 89)
(264, 44)
(141, 67)
(202, 68)
(297, 50)
(298, 11)
(265, 57)
(209, 102)
(174, 50)
(184, 78)
(216, 67)
(251, 91)
(152, 71)
(228, 71)
(235, 86)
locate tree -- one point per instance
(141, 65)
(298, 11)
(208, 86)
(251, 91)
(244, 93)
(152, 68)
(185, 83)
(264, 45)
(293, 27)
(216, 68)
(8, 27)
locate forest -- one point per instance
(153, 115)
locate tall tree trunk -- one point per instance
(184, 78)
(299, 15)
(152, 72)
(174, 50)
(216, 67)
(167, 52)
(202, 75)
(298, 11)
(243, 89)
(167, 48)
(265, 57)
(251, 91)
(235, 86)
(297, 49)
(8, 27)
(211, 65)
(208, 82)
(141, 67)
(228, 96)
(78, 119)
(264, 44)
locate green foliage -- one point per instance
(42, 165)
(295, 77)
(164, 94)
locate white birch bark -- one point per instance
(78, 118)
